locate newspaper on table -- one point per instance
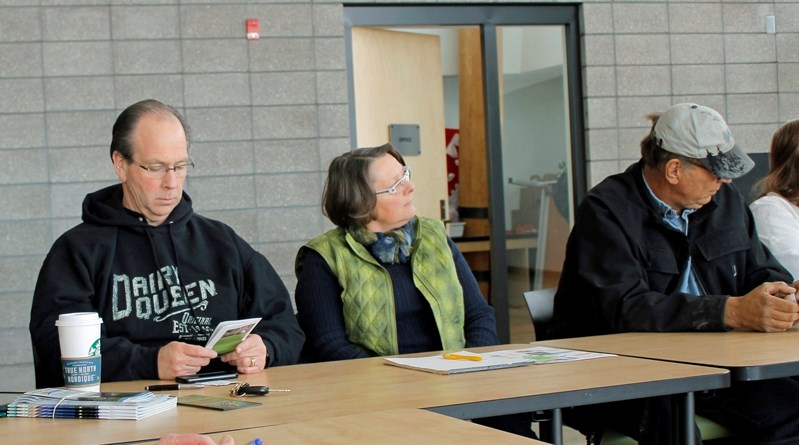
(72, 404)
(509, 358)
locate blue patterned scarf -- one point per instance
(391, 247)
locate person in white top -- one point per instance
(776, 210)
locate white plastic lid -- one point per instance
(78, 319)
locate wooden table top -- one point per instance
(324, 390)
(748, 355)
(396, 426)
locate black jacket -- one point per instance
(110, 264)
(623, 264)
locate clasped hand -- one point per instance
(765, 308)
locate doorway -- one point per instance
(510, 113)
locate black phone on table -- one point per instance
(206, 376)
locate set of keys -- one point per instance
(244, 389)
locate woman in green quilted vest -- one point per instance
(386, 281)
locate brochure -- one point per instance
(465, 361)
(229, 334)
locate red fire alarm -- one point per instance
(253, 29)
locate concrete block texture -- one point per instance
(22, 130)
(21, 60)
(788, 107)
(698, 79)
(644, 18)
(328, 87)
(642, 49)
(24, 238)
(291, 223)
(222, 192)
(215, 55)
(751, 108)
(221, 158)
(287, 122)
(602, 144)
(599, 50)
(284, 88)
(147, 57)
(746, 17)
(79, 93)
(695, 17)
(20, 25)
(25, 201)
(788, 77)
(220, 123)
(788, 47)
(286, 155)
(284, 55)
(754, 138)
(787, 16)
(129, 89)
(21, 95)
(216, 89)
(19, 272)
(79, 128)
(653, 80)
(77, 58)
(596, 18)
(599, 81)
(328, 20)
(751, 78)
(23, 166)
(76, 23)
(696, 48)
(81, 164)
(288, 190)
(750, 48)
(633, 110)
(143, 21)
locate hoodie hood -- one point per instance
(104, 207)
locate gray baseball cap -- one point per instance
(699, 132)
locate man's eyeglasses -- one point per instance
(158, 171)
(406, 178)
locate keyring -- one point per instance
(238, 390)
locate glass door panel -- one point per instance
(536, 162)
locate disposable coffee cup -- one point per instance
(79, 337)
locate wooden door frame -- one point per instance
(488, 17)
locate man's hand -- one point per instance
(178, 358)
(765, 308)
(193, 439)
(250, 355)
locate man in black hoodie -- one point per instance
(160, 276)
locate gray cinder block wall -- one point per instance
(269, 114)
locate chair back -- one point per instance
(540, 303)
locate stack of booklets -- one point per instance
(71, 404)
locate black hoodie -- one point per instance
(110, 264)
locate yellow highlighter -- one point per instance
(452, 356)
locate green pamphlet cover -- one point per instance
(217, 403)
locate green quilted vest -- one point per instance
(368, 295)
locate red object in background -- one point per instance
(452, 137)
(253, 29)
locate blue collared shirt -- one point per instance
(688, 281)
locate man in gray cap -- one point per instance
(669, 245)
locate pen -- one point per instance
(173, 386)
(474, 358)
(256, 441)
